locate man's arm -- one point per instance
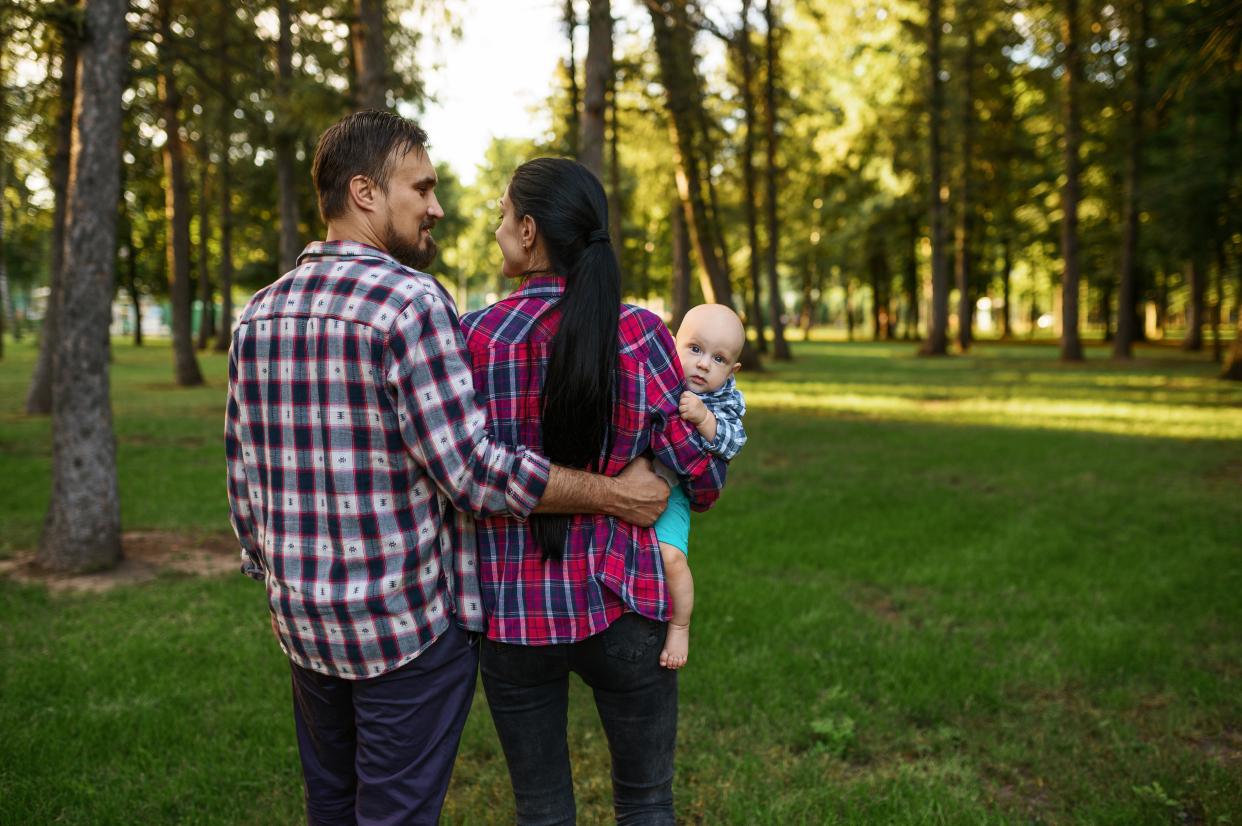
(241, 515)
(636, 495)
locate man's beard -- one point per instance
(413, 254)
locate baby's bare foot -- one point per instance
(676, 646)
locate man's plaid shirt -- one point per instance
(608, 565)
(352, 433)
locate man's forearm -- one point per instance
(577, 491)
(637, 495)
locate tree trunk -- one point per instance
(1127, 298)
(176, 210)
(1071, 343)
(1218, 299)
(595, 94)
(1006, 277)
(4, 270)
(780, 347)
(39, 396)
(83, 526)
(750, 196)
(1194, 307)
(206, 318)
(616, 226)
(283, 145)
(370, 55)
(570, 19)
(911, 277)
(684, 95)
(224, 330)
(965, 216)
(938, 329)
(681, 265)
(877, 268)
(849, 310)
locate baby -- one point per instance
(708, 343)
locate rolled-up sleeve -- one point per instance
(674, 441)
(442, 422)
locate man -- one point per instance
(352, 432)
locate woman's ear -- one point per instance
(528, 231)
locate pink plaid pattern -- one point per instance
(609, 566)
(352, 432)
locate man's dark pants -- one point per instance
(381, 751)
(528, 693)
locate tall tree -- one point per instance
(780, 347)
(370, 55)
(39, 396)
(1071, 192)
(938, 328)
(963, 255)
(598, 78)
(176, 206)
(683, 92)
(750, 196)
(681, 264)
(206, 320)
(83, 526)
(1127, 298)
(283, 141)
(224, 186)
(570, 20)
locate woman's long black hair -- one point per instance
(570, 211)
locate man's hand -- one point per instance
(692, 409)
(641, 495)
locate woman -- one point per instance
(568, 370)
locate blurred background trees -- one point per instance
(947, 171)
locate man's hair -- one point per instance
(367, 143)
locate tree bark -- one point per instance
(595, 94)
(911, 277)
(1127, 298)
(1006, 278)
(938, 328)
(1071, 343)
(1194, 307)
(82, 530)
(206, 318)
(370, 55)
(616, 227)
(684, 95)
(570, 19)
(750, 197)
(780, 347)
(681, 265)
(965, 215)
(39, 396)
(224, 330)
(283, 144)
(176, 210)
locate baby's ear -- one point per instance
(736, 367)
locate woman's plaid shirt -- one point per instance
(352, 434)
(608, 565)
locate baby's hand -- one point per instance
(692, 409)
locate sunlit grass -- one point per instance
(973, 590)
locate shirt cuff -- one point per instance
(527, 483)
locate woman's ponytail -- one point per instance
(571, 212)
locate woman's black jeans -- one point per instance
(527, 690)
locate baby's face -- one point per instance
(708, 354)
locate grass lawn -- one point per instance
(985, 589)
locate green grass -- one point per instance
(986, 589)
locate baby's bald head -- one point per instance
(709, 342)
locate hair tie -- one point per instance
(599, 236)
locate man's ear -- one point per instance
(363, 193)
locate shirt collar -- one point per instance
(540, 286)
(354, 250)
(724, 391)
